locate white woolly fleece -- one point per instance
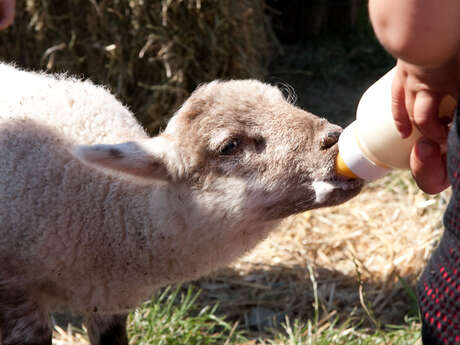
(86, 240)
(98, 242)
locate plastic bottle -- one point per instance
(371, 145)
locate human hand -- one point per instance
(418, 93)
(7, 9)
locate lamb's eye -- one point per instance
(230, 147)
(329, 140)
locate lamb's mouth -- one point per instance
(324, 189)
(346, 184)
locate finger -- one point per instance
(428, 166)
(398, 108)
(7, 9)
(426, 117)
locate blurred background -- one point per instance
(152, 54)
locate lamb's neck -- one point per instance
(143, 212)
(132, 233)
(172, 236)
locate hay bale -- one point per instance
(151, 54)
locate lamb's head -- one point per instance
(239, 147)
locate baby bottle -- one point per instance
(371, 145)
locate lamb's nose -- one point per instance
(329, 139)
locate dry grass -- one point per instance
(384, 234)
(68, 337)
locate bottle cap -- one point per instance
(351, 162)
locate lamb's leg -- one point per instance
(107, 329)
(22, 322)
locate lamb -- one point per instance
(95, 215)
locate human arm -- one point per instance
(421, 32)
(424, 36)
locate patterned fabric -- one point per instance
(438, 289)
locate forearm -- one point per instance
(421, 32)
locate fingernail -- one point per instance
(404, 134)
(425, 148)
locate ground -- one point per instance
(359, 252)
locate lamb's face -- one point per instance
(243, 145)
(242, 151)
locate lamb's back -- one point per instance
(46, 195)
(76, 109)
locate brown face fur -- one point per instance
(242, 152)
(246, 130)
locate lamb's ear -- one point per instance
(155, 158)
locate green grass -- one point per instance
(296, 333)
(175, 318)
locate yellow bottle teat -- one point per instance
(342, 168)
